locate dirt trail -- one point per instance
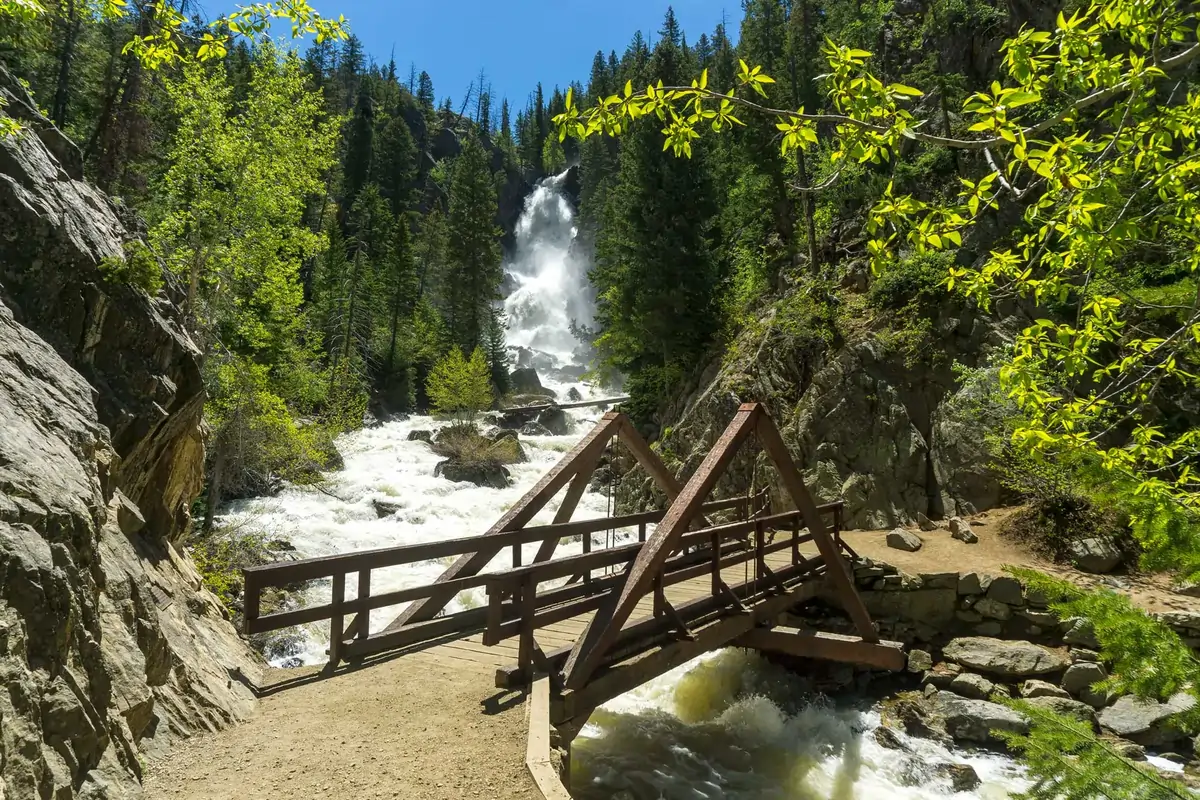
(414, 727)
(994, 551)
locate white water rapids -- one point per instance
(728, 725)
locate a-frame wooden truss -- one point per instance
(604, 628)
(574, 471)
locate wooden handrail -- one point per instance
(288, 572)
(362, 562)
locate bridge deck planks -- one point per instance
(471, 647)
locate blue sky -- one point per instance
(517, 42)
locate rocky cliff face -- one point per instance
(109, 646)
(890, 437)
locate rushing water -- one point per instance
(727, 725)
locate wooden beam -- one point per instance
(839, 573)
(643, 633)
(825, 646)
(603, 628)
(624, 677)
(524, 510)
(649, 459)
(579, 485)
(537, 750)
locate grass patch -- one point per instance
(465, 444)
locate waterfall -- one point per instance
(549, 275)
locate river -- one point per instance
(728, 725)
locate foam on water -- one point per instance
(731, 725)
(381, 464)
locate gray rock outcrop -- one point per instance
(110, 648)
(901, 539)
(1146, 722)
(968, 720)
(860, 423)
(1008, 659)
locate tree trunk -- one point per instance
(71, 26)
(214, 486)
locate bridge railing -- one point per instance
(516, 609)
(348, 640)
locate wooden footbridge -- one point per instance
(591, 626)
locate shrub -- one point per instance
(1061, 509)
(464, 443)
(137, 268)
(460, 387)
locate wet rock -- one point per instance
(385, 508)
(1144, 721)
(1127, 749)
(556, 421)
(888, 738)
(1009, 659)
(493, 476)
(963, 777)
(420, 436)
(1095, 554)
(901, 539)
(1035, 688)
(968, 720)
(911, 715)
(968, 684)
(573, 395)
(1067, 708)
(535, 429)
(526, 381)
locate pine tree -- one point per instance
(655, 273)
(473, 272)
(398, 287)
(497, 351)
(395, 167)
(360, 143)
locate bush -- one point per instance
(1061, 509)
(137, 268)
(460, 387)
(465, 444)
(915, 285)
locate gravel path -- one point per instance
(414, 727)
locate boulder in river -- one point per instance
(969, 720)
(420, 436)
(385, 508)
(963, 777)
(1004, 658)
(535, 429)
(526, 382)
(556, 421)
(490, 475)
